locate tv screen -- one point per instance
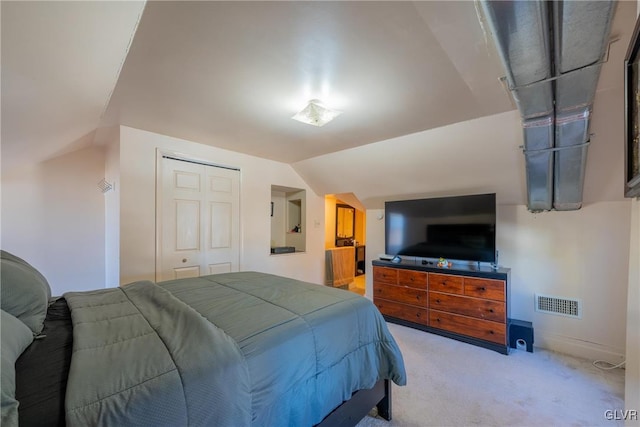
(455, 228)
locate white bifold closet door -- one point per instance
(197, 219)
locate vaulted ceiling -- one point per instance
(231, 74)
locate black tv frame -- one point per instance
(471, 218)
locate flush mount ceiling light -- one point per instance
(316, 114)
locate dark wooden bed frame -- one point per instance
(362, 401)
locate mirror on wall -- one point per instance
(345, 225)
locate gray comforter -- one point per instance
(235, 349)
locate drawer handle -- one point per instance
(437, 301)
(418, 297)
(418, 314)
(438, 320)
(482, 288)
(491, 332)
(491, 310)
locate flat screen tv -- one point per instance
(455, 228)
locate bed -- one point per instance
(235, 349)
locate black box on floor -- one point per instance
(521, 332)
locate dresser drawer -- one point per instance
(481, 329)
(385, 275)
(415, 279)
(401, 294)
(485, 288)
(473, 307)
(402, 311)
(446, 283)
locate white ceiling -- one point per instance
(60, 63)
(231, 74)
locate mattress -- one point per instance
(278, 351)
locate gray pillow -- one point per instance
(16, 337)
(24, 292)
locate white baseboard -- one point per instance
(578, 348)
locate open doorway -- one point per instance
(345, 242)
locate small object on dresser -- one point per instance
(443, 263)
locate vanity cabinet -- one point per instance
(469, 304)
(360, 259)
(340, 266)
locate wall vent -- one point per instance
(570, 307)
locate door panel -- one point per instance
(187, 221)
(186, 272)
(220, 184)
(220, 268)
(220, 224)
(187, 180)
(198, 220)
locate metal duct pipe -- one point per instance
(581, 39)
(551, 52)
(521, 33)
(538, 142)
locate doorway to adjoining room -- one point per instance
(345, 242)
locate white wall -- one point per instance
(632, 367)
(278, 220)
(296, 211)
(579, 254)
(137, 214)
(375, 245)
(53, 217)
(632, 373)
(112, 210)
(453, 159)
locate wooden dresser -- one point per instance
(469, 304)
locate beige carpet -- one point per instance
(455, 384)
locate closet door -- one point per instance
(198, 220)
